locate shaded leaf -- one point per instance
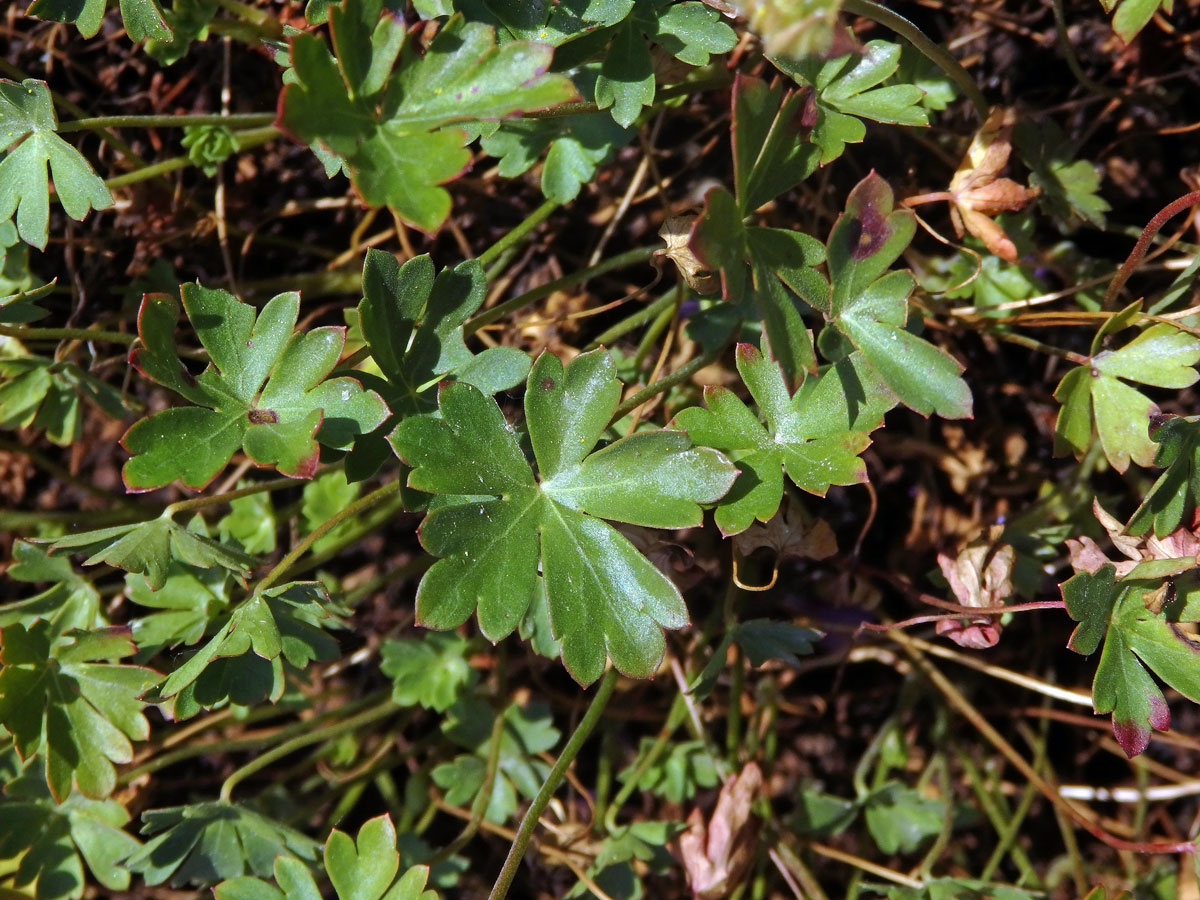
(148, 548)
(203, 843)
(69, 702)
(432, 672)
(284, 624)
(1136, 640)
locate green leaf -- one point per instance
(1070, 187)
(494, 522)
(68, 701)
(1131, 16)
(626, 81)
(70, 602)
(359, 869)
(203, 843)
(322, 499)
(527, 732)
(1174, 495)
(432, 672)
(557, 23)
(412, 321)
(847, 89)
(286, 623)
(578, 145)
(143, 18)
(188, 21)
(765, 271)
(901, 819)
(676, 775)
(1136, 639)
(250, 523)
(769, 158)
(147, 548)
(27, 133)
(209, 145)
(37, 392)
(385, 124)
(870, 307)
(278, 423)
(812, 436)
(20, 308)
(55, 841)
(1096, 400)
(188, 601)
(764, 639)
(690, 31)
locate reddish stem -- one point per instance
(1168, 212)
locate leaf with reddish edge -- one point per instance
(382, 107)
(265, 391)
(769, 156)
(869, 305)
(814, 436)
(1138, 639)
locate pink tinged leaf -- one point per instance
(978, 633)
(1133, 737)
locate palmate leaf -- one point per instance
(244, 661)
(37, 392)
(27, 133)
(493, 522)
(143, 18)
(389, 126)
(68, 701)
(1097, 403)
(148, 548)
(265, 391)
(412, 321)
(528, 731)
(203, 843)
(55, 841)
(849, 87)
(689, 31)
(190, 599)
(1175, 493)
(815, 436)
(432, 672)
(870, 308)
(1136, 638)
(70, 602)
(362, 868)
(550, 23)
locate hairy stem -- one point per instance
(1164, 215)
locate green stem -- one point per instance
(358, 506)
(626, 325)
(260, 762)
(246, 140)
(518, 234)
(234, 120)
(620, 261)
(517, 852)
(227, 745)
(66, 334)
(201, 502)
(683, 373)
(936, 54)
(482, 799)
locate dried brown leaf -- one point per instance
(716, 855)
